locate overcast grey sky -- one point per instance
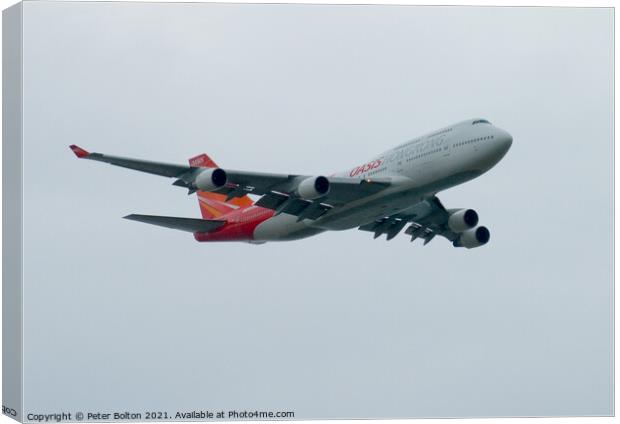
(126, 316)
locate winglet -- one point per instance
(79, 152)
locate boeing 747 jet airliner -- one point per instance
(394, 190)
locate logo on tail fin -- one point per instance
(214, 205)
(203, 161)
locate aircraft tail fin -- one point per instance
(214, 205)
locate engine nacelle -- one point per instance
(463, 220)
(473, 237)
(211, 179)
(313, 187)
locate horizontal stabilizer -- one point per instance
(193, 225)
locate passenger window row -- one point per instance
(462, 143)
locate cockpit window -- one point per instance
(481, 121)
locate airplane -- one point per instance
(393, 190)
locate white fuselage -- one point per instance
(418, 169)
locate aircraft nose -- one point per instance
(496, 148)
(504, 141)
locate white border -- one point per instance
(561, 3)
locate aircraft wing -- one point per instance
(157, 168)
(263, 183)
(282, 198)
(427, 219)
(277, 191)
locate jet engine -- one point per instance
(463, 220)
(473, 237)
(312, 188)
(211, 179)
